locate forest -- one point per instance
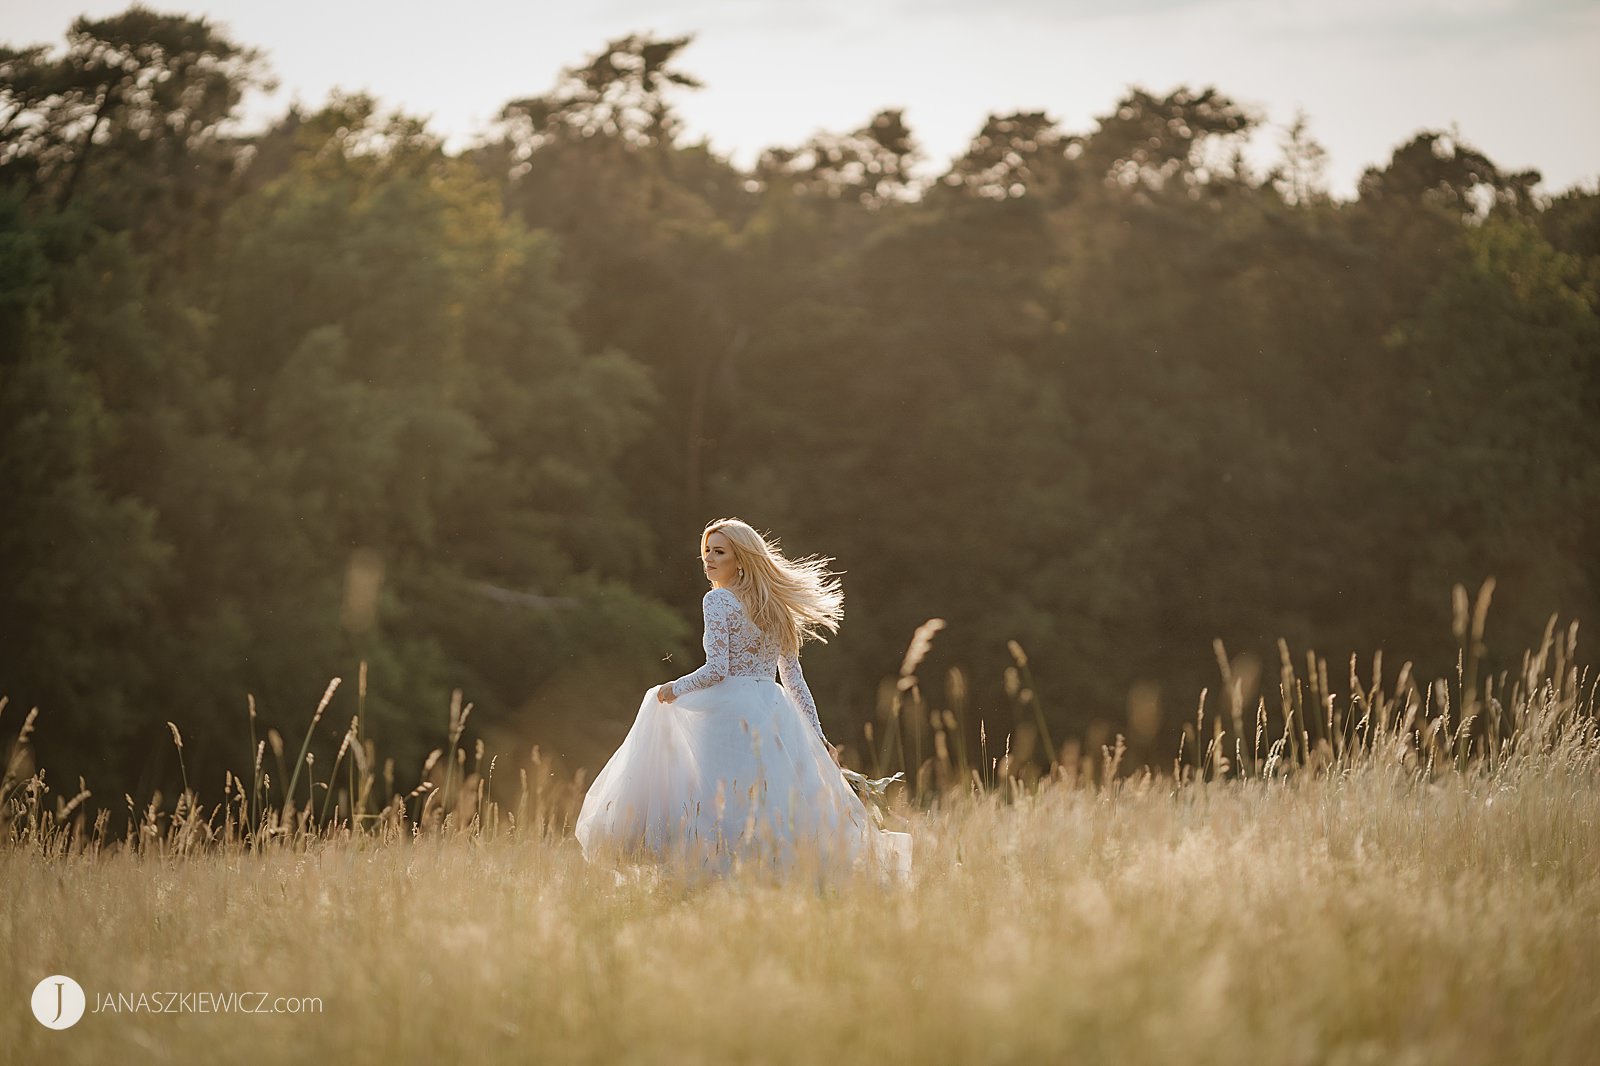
(1113, 405)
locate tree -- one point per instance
(1300, 177)
(1167, 146)
(133, 115)
(1499, 470)
(406, 378)
(1021, 154)
(870, 166)
(644, 230)
(1439, 170)
(79, 564)
(619, 97)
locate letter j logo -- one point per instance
(58, 1002)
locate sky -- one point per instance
(1518, 80)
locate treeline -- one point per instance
(275, 404)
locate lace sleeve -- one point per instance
(719, 618)
(795, 681)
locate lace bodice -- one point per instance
(736, 647)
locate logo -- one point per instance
(58, 1002)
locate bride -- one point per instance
(725, 768)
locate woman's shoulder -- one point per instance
(719, 594)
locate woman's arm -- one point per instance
(795, 681)
(718, 613)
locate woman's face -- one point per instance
(719, 564)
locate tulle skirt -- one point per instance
(733, 777)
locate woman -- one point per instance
(724, 766)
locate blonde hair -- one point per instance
(794, 598)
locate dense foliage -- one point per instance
(275, 404)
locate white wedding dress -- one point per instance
(735, 773)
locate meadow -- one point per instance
(282, 397)
(1400, 873)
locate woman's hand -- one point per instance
(664, 693)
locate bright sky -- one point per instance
(1519, 79)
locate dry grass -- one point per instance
(1420, 888)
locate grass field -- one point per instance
(1419, 887)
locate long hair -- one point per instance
(794, 598)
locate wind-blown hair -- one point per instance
(795, 598)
